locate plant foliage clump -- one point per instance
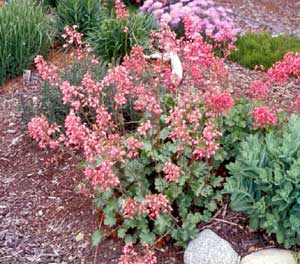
(155, 142)
(148, 145)
(50, 99)
(85, 14)
(24, 33)
(255, 49)
(111, 41)
(265, 182)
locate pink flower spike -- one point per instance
(130, 256)
(264, 117)
(219, 103)
(154, 204)
(258, 90)
(172, 171)
(121, 11)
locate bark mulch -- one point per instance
(44, 220)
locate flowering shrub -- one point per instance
(281, 71)
(263, 117)
(214, 22)
(258, 90)
(148, 140)
(30, 36)
(152, 143)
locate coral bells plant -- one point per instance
(258, 90)
(149, 140)
(146, 138)
(280, 73)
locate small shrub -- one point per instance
(265, 181)
(24, 33)
(263, 49)
(147, 142)
(110, 41)
(86, 14)
(50, 99)
(152, 145)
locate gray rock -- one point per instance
(209, 248)
(270, 256)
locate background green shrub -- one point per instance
(265, 182)
(24, 33)
(110, 42)
(263, 49)
(83, 13)
(50, 99)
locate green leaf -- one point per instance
(193, 219)
(162, 223)
(212, 206)
(97, 237)
(130, 239)
(164, 133)
(199, 169)
(122, 232)
(254, 223)
(147, 146)
(147, 237)
(197, 187)
(161, 184)
(110, 219)
(171, 147)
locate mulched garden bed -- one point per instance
(43, 219)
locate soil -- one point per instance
(277, 17)
(44, 220)
(233, 227)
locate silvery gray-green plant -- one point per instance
(265, 181)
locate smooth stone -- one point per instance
(270, 256)
(209, 248)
